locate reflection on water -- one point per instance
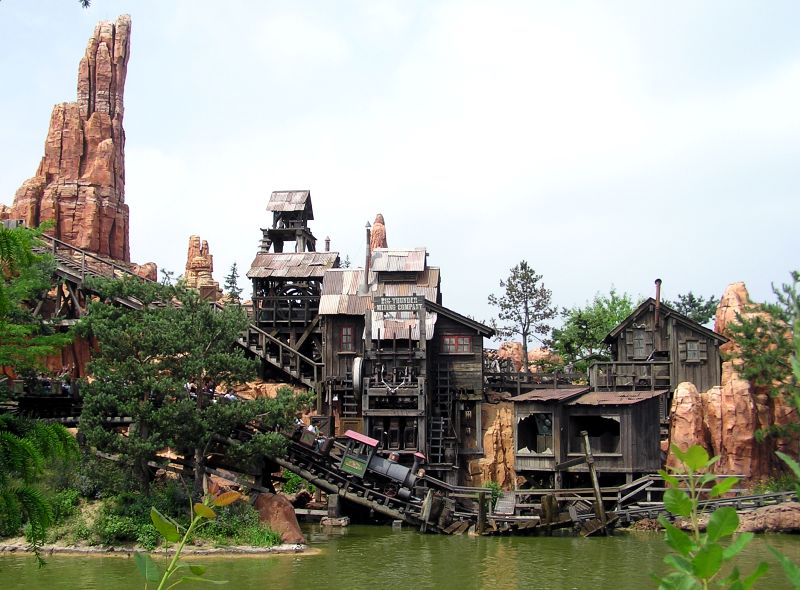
(379, 557)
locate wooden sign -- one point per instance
(398, 303)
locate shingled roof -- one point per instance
(292, 265)
(291, 201)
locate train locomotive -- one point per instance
(358, 457)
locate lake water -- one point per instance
(376, 557)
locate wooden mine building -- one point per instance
(385, 356)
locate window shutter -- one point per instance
(629, 343)
(703, 350)
(682, 351)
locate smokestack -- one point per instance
(365, 285)
(327, 243)
(658, 303)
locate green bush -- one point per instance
(112, 529)
(294, 483)
(64, 504)
(238, 524)
(147, 537)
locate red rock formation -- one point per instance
(513, 352)
(732, 412)
(377, 237)
(148, 270)
(199, 269)
(278, 513)
(497, 463)
(80, 183)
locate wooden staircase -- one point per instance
(281, 356)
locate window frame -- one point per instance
(347, 335)
(456, 344)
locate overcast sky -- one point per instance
(606, 143)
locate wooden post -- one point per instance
(481, 524)
(600, 511)
(426, 511)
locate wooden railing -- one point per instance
(84, 263)
(284, 356)
(630, 374)
(527, 381)
(285, 311)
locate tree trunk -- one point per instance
(525, 367)
(199, 473)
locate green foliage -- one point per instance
(769, 341)
(64, 504)
(524, 308)
(238, 524)
(201, 513)
(580, 340)
(26, 447)
(695, 307)
(497, 491)
(144, 360)
(232, 285)
(294, 483)
(699, 557)
(24, 338)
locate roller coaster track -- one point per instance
(75, 266)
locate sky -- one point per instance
(606, 143)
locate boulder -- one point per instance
(278, 513)
(778, 518)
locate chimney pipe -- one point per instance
(365, 284)
(327, 243)
(658, 303)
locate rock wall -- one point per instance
(199, 269)
(80, 182)
(497, 463)
(512, 351)
(725, 418)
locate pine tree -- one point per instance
(695, 307)
(524, 308)
(145, 361)
(232, 285)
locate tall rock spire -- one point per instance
(378, 235)
(80, 183)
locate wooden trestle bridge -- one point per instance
(434, 505)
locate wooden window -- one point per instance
(693, 351)
(347, 342)
(535, 434)
(639, 346)
(456, 344)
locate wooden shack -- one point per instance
(657, 348)
(623, 429)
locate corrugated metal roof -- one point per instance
(550, 395)
(614, 398)
(386, 260)
(292, 265)
(290, 201)
(340, 290)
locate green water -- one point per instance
(380, 558)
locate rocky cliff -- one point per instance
(80, 182)
(199, 269)
(725, 418)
